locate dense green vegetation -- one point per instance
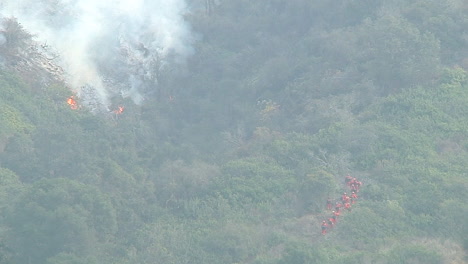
(281, 99)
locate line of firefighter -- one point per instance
(345, 201)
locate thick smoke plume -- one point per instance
(108, 47)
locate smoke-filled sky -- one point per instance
(108, 47)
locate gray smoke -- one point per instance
(2, 39)
(108, 47)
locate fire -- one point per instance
(119, 110)
(71, 101)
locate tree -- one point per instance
(10, 189)
(300, 253)
(59, 215)
(16, 37)
(316, 187)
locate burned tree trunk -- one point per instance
(209, 6)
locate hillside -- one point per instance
(231, 157)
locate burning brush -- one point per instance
(119, 110)
(72, 102)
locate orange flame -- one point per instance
(119, 110)
(71, 101)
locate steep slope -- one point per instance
(234, 163)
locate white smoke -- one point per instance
(2, 38)
(108, 47)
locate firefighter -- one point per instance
(347, 206)
(353, 197)
(338, 205)
(330, 222)
(324, 227)
(358, 185)
(329, 204)
(348, 179)
(343, 197)
(346, 199)
(335, 216)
